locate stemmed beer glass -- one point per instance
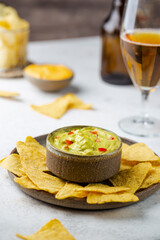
(140, 46)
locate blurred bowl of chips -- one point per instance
(49, 77)
(14, 33)
(83, 168)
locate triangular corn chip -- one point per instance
(152, 178)
(98, 198)
(31, 142)
(139, 152)
(131, 178)
(30, 157)
(102, 188)
(25, 182)
(71, 190)
(44, 181)
(58, 108)
(12, 163)
(53, 230)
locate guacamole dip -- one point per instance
(84, 141)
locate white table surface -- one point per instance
(20, 213)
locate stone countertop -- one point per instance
(22, 214)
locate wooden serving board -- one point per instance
(80, 203)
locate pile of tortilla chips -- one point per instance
(61, 105)
(50, 231)
(140, 169)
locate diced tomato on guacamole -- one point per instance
(85, 141)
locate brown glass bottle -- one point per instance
(113, 69)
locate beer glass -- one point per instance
(140, 46)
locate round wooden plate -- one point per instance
(80, 203)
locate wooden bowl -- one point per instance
(80, 168)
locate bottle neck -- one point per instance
(118, 5)
(112, 23)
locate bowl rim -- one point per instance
(47, 80)
(78, 155)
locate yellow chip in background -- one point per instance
(102, 188)
(31, 158)
(53, 230)
(31, 142)
(58, 108)
(131, 178)
(8, 94)
(152, 178)
(98, 198)
(25, 182)
(11, 17)
(71, 190)
(12, 163)
(76, 102)
(55, 109)
(139, 152)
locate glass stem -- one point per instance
(144, 111)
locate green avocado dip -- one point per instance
(84, 141)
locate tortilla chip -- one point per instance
(76, 102)
(8, 94)
(138, 152)
(31, 158)
(98, 198)
(33, 164)
(102, 188)
(71, 190)
(12, 163)
(50, 231)
(25, 182)
(58, 108)
(128, 164)
(131, 178)
(31, 142)
(156, 163)
(45, 181)
(152, 178)
(124, 166)
(124, 146)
